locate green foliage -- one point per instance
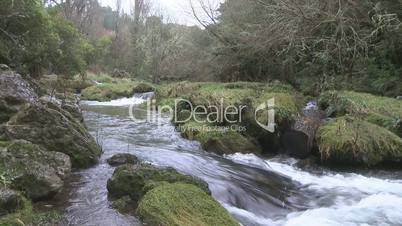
(182, 205)
(68, 57)
(32, 40)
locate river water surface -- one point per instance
(256, 191)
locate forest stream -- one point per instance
(256, 191)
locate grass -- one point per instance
(383, 111)
(350, 140)
(182, 205)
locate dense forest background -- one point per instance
(312, 44)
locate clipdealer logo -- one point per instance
(207, 114)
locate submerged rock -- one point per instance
(10, 201)
(121, 159)
(54, 130)
(353, 141)
(182, 205)
(136, 180)
(37, 172)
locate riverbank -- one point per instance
(42, 139)
(232, 118)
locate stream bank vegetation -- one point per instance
(346, 55)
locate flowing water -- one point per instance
(256, 191)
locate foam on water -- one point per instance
(249, 216)
(356, 199)
(369, 185)
(379, 209)
(135, 100)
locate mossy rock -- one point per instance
(123, 204)
(55, 130)
(10, 201)
(180, 204)
(383, 111)
(136, 180)
(121, 159)
(217, 139)
(39, 174)
(28, 216)
(352, 141)
(143, 88)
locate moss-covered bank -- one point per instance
(239, 131)
(383, 111)
(108, 88)
(353, 141)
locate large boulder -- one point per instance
(51, 123)
(135, 180)
(30, 169)
(182, 205)
(14, 93)
(121, 159)
(10, 201)
(353, 141)
(67, 102)
(54, 130)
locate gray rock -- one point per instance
(10, 201)
(121, 159)
(36, 172)
(4, 67)
(55, 130)
(14, 93)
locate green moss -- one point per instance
(143, 88)
(286, 107)
(101, 77)
(136, 180)
(218, 139)
(349, 140)
(28, 216)
(4, 143)
(112, 88)
(383, 111)
(109, 91)
(247, 96)
(123, 204)
(182, 205)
